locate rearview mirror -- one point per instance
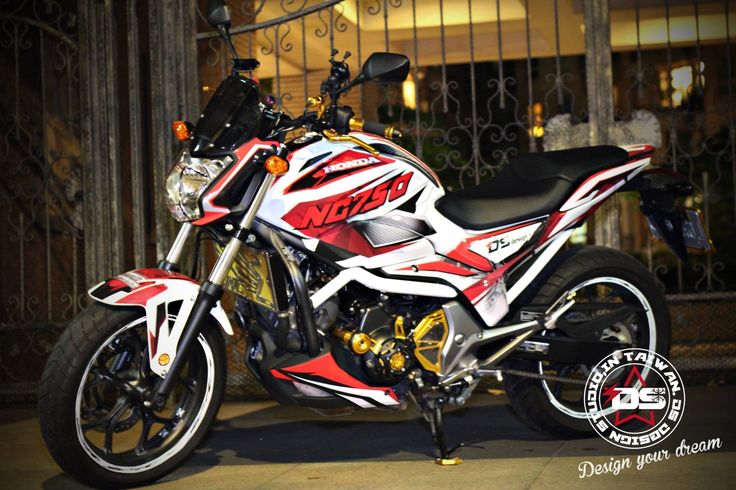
(386, 67)
(218, 15)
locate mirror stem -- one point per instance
(228, 40)
(356, 81)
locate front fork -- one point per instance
(171, 262)
(210, 292)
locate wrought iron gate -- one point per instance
(481, 93)
(76, 203)
(489, 81)
(468, 116)
(41, 189)
(690, 89)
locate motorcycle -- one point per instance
(359, 282)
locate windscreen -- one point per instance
(232, 117)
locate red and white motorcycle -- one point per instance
(359, 282)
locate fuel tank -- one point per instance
(358, 202)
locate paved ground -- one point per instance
(261, 445)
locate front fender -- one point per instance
(167, 298)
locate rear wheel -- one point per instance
(93, 418)
(604, 280)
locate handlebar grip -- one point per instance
(380, 129)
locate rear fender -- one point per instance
(659, 188)
(159, 293)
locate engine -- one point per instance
(377, 338)
(390, 337)
(385, 354)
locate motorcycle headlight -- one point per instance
(187, 181)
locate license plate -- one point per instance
(693, 231)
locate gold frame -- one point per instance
(427, 324)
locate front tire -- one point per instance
(536, 402)
(92, 414)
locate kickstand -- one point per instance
(433, 414)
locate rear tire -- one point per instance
(81, 378)
(531, 399)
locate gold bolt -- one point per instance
(397, 361)
(360, 343)
(164, 359)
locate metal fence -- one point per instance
(474, 102)
(41, 186)
(689, 87)
(703, 333)
(489, 81)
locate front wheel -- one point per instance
(92, 414)
(603, 279)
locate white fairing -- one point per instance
(156, 294)
(375, 216)
(499, 247)
(369, 174)
(586, 197)
(356, 395)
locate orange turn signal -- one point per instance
(275, 165)
(181, 130)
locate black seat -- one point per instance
(530, 186)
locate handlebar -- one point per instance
(322, 114)
(342, 121)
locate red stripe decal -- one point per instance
(469, 258)
(445, 267)
(141, 296)
(326, 367)
(463, 254)
(243, 153)
(489, 280)
(152, 344)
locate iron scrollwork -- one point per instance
(41, 189)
